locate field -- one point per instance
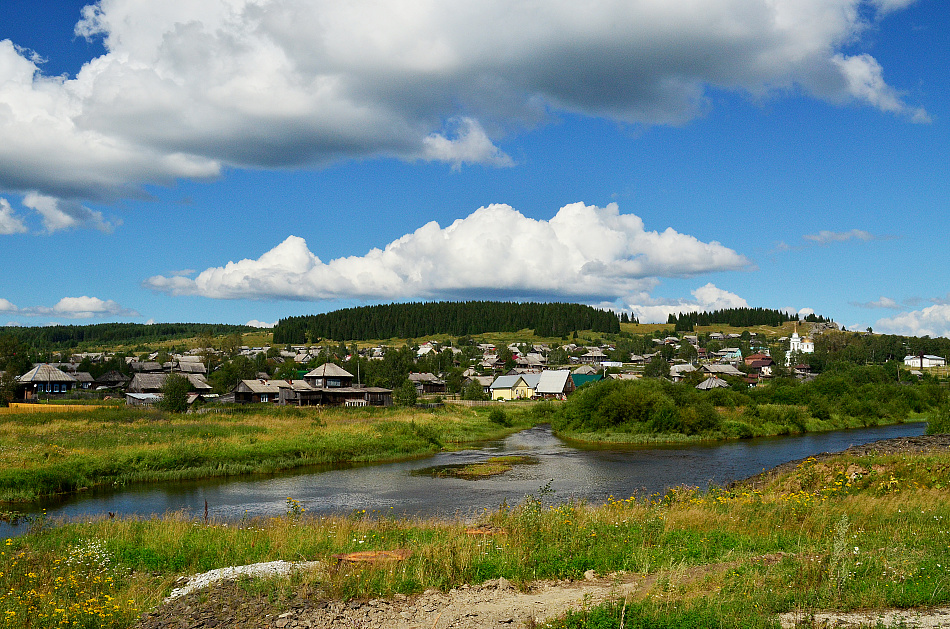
(842, 533)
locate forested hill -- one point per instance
(415, 320)
(738, 317)
(62, 336)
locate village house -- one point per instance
(594, 355)
(154, 382)
(511, 388)
(923, 361)
(721, 370)
(259, 391)
(555, 384)
(679, 371)
(45, 379)
(427, 383)
(331, 385)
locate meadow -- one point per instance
(53, 452)
(842, 533)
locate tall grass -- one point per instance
(842, 534)
(50, 453)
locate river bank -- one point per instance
(840, 533)
(61, 453)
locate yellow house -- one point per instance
(510, 388)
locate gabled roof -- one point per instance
(553, 381)
(531, 379)
(712, 383)
(112, 377)
(505, 382)
(271, 387)
(329, 370)
(728, 370)
(425, 377)
(46, 373)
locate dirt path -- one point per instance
(490, 605)
(493, 604)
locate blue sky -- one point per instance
(245, 160)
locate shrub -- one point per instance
(939, 421)
(498, 416)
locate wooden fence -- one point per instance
(17, 408)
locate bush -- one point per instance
(175, 394)
(939, 421)
(498, 416)
(405, 394)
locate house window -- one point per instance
(334, 382)
(55, 388)
(264, 397)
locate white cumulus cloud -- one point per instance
(72, 308)
(932, 321)
(59, 214)
(254, 323)
(188, 88)
(10, 223)
(583, 251)
(705, 299)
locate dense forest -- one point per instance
(736, 317)
(57, 337)
(412, 320)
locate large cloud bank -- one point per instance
(582, 252)
(189, 87)
(931, 321)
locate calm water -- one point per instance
(587, 474)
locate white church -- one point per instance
(804, 345)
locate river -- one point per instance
(591, 474)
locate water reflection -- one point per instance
(573, 473)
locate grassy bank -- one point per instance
(50, 453)
(657, 411)
(845, 533)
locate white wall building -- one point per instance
(926, 360)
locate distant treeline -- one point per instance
(736, 317)
(457, 318)
(69, 336)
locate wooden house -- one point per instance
(45, 380)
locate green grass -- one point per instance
(493, 466)
(53, 453)
(841, 534)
